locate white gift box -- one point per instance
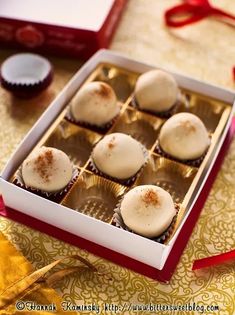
(129, 244)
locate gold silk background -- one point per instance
(206, 51)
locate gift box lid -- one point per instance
(88, 15)
(75, 28)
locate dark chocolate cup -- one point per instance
(127, 181)
(17, 76)
(194, 163)
(118, 222)
(53, 196)
(99, 129)
(165, 114)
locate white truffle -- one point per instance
(147, 210)
(156, 91)
(95, 103)
(47, 169)
(118, 155)
(184, 136)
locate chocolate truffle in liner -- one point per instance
(156, 91)
(118, 155)
(184, 137)
(47, 169)
(95, 104)
(147, 210)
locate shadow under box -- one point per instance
(94, 196)
(174, 177)
(75, 141)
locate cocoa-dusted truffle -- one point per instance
(184, 136)
(118, 155)
(47, 169)
(95, 103)
(147, 210)
(156, 91)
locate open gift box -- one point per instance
(74, 219)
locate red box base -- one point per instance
(163, 275)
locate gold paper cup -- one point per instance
(53, 196)
(209, 111)
(122, 81)
(142, 127)
(94, 196)
(172, 176)
(75, 141)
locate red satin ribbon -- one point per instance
(214, 260)
(192, 11)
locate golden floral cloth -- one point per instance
(205, 51)
(13, 267)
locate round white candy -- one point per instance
(47, 169)
(156, 91)
(118, 155)
(95, 103)
(184, 137)
(147, 210)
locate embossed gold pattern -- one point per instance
(203, 50)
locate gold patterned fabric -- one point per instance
(14, 267)
(205, 51)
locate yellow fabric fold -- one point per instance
(13, 267)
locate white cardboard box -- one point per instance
(134, 246)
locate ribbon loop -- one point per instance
(192, 11)
(184, 14)
(200, 3)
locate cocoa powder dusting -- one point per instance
(151, 197)
(111, 143)
(189, 127)
(43, 164)
(104, 91)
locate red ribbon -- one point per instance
(214, 260)
(192, 11)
